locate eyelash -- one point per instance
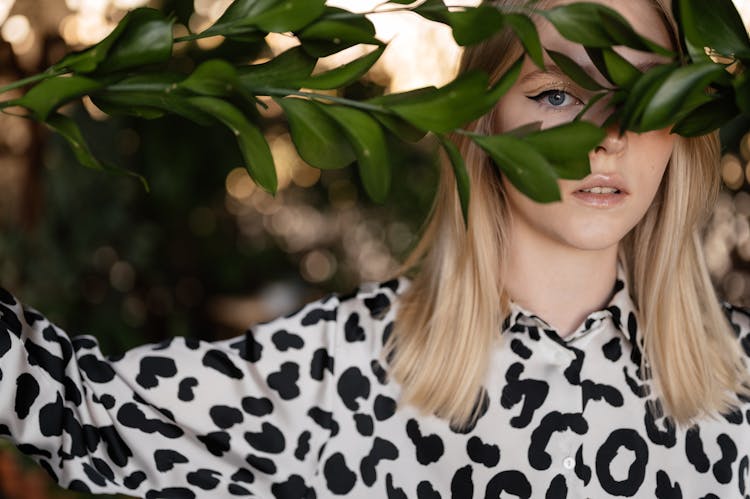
(539, 97)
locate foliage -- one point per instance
(129, 73)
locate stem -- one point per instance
(31, 79)
(283, 92)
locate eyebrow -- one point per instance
(551, 69)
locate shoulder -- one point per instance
(372, 299)
(739, 319)
(375, 299)
(354, 317)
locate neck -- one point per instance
(557, 282)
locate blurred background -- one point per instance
(206, 253)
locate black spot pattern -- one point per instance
(269, 439)
(225, 417)
(27, 390)
(381, 449)
(723, 467)
(203, 478)
(321, 362)
(558, 488)
(257, 406)
(664, 487)
(384, 407)
(339, 478)
(166, 459)
(283, 341)
(303, 445)
(429, 448)
(628, 439)
(185, 392)
(284, 381)
(153, 368)
(324, 419)
(533, 392)
(462, 484)
(220, 361)
(479, 452)
(352, 330)
(267, 415)
(353, 385)
(425, 491)
(364, 423)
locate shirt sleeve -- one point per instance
(182, 418)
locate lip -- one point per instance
(609, 200)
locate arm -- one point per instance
(240, 416)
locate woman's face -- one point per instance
(633, 163)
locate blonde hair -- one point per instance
(450, 317)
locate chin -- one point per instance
(593, 238)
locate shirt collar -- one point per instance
(620, 310)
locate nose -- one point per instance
(613, 144)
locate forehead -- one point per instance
(643, 16)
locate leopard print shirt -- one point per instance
(301, 407)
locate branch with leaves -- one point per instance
(128, 73)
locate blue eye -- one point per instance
(556, 98)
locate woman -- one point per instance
(574, 349)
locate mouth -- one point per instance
(600, 196)
(601, 190)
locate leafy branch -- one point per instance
(126, 73)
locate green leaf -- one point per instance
(319, 140)
(369, 144)
(147, 39)
(621, 71)
(525, 30)
(475, 24)
(640, 95)
(399, 127)
(286, 68)
(682, 89)
(615, 68)
(343, 75)
(567, 147)
(592, 101)
(459, 102)
(214, 77)
(525, 167)
(574, 71)
(505, 82)
(707, 118)
(50, 94)
(715, 24)
(237, 11)
(288, 15)
(86, 61)
(68, 129)
(460, 174)
(742, 91)
(148, 95)
(330, 35)
(434, 10)
(595, 25)
(252, 143)
(149, 105)
(403, 97)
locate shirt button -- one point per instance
(569, 463)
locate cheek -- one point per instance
(654, 152)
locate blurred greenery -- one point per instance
(105, 257)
